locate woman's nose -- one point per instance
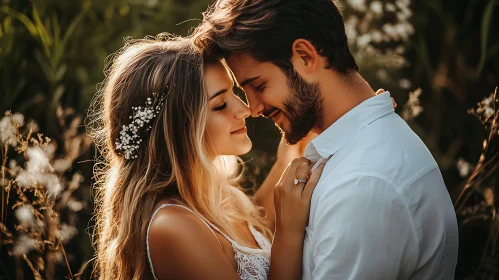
(242, 110)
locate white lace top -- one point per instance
(252, 263)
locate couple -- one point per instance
(364, 200)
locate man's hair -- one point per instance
(266, 29)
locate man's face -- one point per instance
(294, 105)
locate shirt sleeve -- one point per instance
(362, 230)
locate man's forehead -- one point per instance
(244, 66)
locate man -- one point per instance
(381, 209)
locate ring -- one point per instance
(296, 181)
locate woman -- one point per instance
(166, 208)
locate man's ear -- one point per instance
(304, 58)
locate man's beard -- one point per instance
(304, 108)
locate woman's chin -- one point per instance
(243, 147)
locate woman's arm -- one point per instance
(292, 204)
(264, 196)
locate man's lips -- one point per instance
(272, 114)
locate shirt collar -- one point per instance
(346, 127)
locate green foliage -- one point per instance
(53, 52)
(52, 55)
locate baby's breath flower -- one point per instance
(130, 139)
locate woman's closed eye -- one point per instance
(219, 108)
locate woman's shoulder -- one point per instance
(173, 223)
(179, 240)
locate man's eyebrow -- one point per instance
(248, 80)
(218, 93)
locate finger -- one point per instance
(314, 179)
(302, 171)
(290, 176)
(380, 91)
(284, 175)
(394, 103)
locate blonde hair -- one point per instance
(176, 157)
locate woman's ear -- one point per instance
(304, 58)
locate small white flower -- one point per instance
(376, 7)
(358, 5)
(128, 142)
(390, 7)
(24, 179)
(489, 112)
(405, 83)
(52, 184)
(24, 215)
(363, 40)
(75, 205)
(412, 109)
(7, 131)
(66, 232)
(23, 245)
(18, 118)
(38, 160)
(377, 36)
(61, 165)
(463, 167)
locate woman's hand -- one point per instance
(380, 91)
(292, 196)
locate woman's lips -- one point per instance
(239, 131)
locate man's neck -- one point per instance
(341, 95)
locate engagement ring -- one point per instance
(296, 181)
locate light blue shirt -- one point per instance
(381, 209)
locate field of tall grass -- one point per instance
(438, 58)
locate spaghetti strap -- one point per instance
(149, 226)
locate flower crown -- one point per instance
(130, 139)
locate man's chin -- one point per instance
(293, 137)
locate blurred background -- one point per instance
(438, 58)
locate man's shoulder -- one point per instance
(388, 148)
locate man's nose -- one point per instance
(255, 104)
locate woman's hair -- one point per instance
(175, 158)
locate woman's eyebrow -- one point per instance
(218, 93)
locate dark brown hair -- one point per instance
(267, 29)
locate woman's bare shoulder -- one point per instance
(180, 241)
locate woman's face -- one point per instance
(227, 113)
